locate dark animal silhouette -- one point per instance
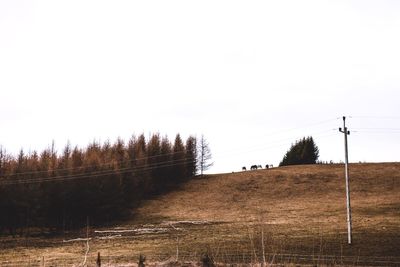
(267, 166)
(253, 167)
(243, 168)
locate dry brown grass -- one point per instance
(301, 210)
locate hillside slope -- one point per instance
(301, 209)
(311, 194)
(293, 214)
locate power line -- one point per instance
(298, 128)
(379, 129)
(275, 143)
(376, 117)
(162, 164)
(102, 164)
(376, 132)
(163, 155)
(147, 168)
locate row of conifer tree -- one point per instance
(102, 182)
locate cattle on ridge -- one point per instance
(256, 167)
(253, 167)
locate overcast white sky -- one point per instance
(252, 76)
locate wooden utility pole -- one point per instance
(346, 168)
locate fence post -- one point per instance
(98, 261)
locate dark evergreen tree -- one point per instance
(303, 151)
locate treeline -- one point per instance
(102, 182)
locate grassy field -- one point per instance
(291, 215)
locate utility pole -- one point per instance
(346, 168)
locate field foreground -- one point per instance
(289, 215)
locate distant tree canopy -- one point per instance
(102, 182)
(304, 151)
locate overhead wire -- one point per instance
(298, 128)
(383, 129)
(104, 163)
(276, 143)
(144, 168)
(376, 117)
(162, 164)
(169, 154)
(376, 132)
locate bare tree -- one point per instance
(204, 155)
